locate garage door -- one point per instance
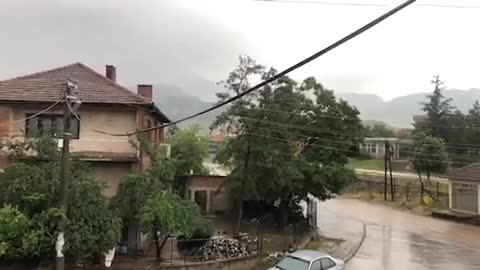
(465, 197)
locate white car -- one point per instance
(309, 260)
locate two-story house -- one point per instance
(106, 106)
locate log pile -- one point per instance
(224, 248)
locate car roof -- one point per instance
(308, 255)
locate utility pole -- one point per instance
(388, 167)
(385, 158)
(392, 186)
(71, 102)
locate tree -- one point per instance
(165, 214)
(15, 234)
(189, 150)
(378, 130)
(31, 189)
(135, 189)
(448, 123)
(288, 144)
(92, 226)
(429, 156)
(236, 154)
(472, 120)
(439, 111)
(438, 108)
(148, 200)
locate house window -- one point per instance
(50, 125)
(370, 148)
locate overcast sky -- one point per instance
(154, 41)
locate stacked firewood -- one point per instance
(224, 248)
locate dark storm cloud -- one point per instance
(149, 41)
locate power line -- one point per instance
(329, 3)
(33, 115)
(342, 142)
(450, 144)
(340, 149)
(332, 132)
(277, 76)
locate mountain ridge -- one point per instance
(398, 112)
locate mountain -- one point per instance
(399, 111)
(176, 104)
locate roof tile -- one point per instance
(469, 173)
(48, 86)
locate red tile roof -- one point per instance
(469, 173)
(48, 85)
(93, 87)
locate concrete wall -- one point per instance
(219, 198)
(113, 120)
(450, 195)
(110, 173)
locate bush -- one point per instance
(203, 231)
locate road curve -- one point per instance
(398, 240)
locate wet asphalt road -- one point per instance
(398, 240)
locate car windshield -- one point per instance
(292, 263)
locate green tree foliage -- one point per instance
(15, 234)
(134, 189)
(378, 130)
(92, 226)
(189, 150)
(429, 155)
(31, 189)
(459, 131)
(472, 122)
(438, 109)
(165, 214)
(292, 139)
(147, 200)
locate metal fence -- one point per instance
(257, 238)
(273, 239)
(183, 251)
(404, 189)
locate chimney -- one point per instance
(145, 90)
(111, 73)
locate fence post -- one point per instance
(171, 251)
(438, 191)
(407, 191)
(215, 243)
(261, 239)
(369, 189)
(294, 233)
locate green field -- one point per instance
(369, 164)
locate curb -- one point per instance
(354, 251)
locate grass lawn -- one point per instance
(369, 164)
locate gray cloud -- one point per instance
(148, 41)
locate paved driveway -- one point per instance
(397, 240)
